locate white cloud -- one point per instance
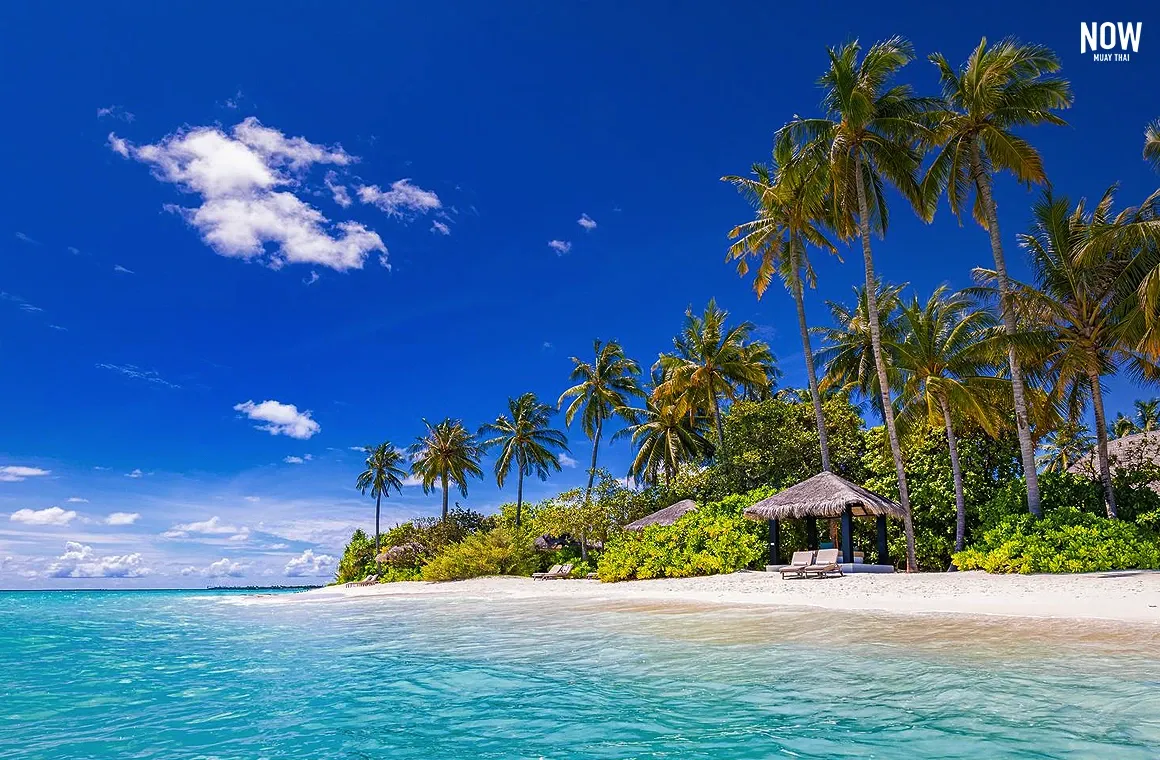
(313, 278)
(58, 327)
(412, 480)
(280, 419)
(135, 372)
(401, 199)
(567, 461)
(26, 239)
(122, 270)
(135, 474)
(340, 193)
(440, 227)
(80, 561)
(74, 250)
(293, 460)
(115, 112)
(49, 516)
(560, 246)
(122, 518)
(309, 563)
(247, 210)
(211, 527)
(586, 222)
(224, 568)
(15, 473)
(254, 499)
(76, 500)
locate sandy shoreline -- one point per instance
(1129, 596)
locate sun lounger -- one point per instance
(825, 563)
(552, 572)
(370, 580)
(564, 571)
(798, 563)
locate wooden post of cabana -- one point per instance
(827, 495)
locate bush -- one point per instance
(499, 551)
(358, 559)
(1065, 540)
(714, 539)
(1135, 499)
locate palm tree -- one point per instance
(870, 133)
(947, 355)
(1123, 425)
(448, 453)
(1152, 144)
(999, 89)
(1076, 303)
(665, 437)
(791, 205)
(383, 473)
(1065, 446)
(848, 348)
(526, 440)
(1147, 414)
(712, 362)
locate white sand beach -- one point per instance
(1128, 596)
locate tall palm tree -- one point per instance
(947, 356)
(526, 440)
(665, 437)
(1147, 414)
(998, 90)
(847, 350)
(791, 204)
(1123, 425)
(1152, 144)
(870, 131)
(1076, 303)
(1065, 446)
(447, 454)
(714, 362)
(602, 391)
(383, 472)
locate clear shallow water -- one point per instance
(200, 675)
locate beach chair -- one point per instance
(799, 562)
(825, 563)
(565, 571)
(553, 571)
(370, 580)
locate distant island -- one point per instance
(261, 588)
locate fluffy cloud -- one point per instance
(309, 563)
(122, 518)
(560, 246)
(15, 473)
(340, 193)
(76, 500)
(211, 527)
(247, 209)
(115, 112)
(280, 419)
(567, 461)
(586, 222)
(80, 561)
(223, 568)
(402, 199)
(135, 474)
(441, 228)
(252, 498)
(49, 516)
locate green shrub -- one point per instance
(358, 559)
(499, 551)
(1065, 540)
(714, 539)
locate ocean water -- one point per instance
(205, 675)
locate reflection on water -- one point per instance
(199, 675)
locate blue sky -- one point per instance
(199, 202)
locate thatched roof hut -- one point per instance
(1132, 452)
(403, 554)
(824, 495)
(666, 516)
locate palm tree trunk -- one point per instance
(1102, 441)
(444, 496)
(378, 502)
(519, 495)
(592, 469)
(880, 366)
(960, 501)
(717, 421)
(1022, 426)
(811, 375)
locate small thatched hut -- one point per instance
(402, 555)
(827, 495)
(1132, 452)
(666, 516)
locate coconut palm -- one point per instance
(947, 355)
(713, 362)
(383, 473)
(1152, 144)
(870, 133)
(848, 348)
(602, 391)
(1065, 446)
(665, 437)
(791, 204)
(526, 440)
(1123, 425)
(1075, 302)
(1147, 414)
(447, 454)
(1000, 89)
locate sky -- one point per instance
(238, 242)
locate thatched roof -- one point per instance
(546, 543)
(402, 553)
(666, 516)
(1132, 452)
(823, 495)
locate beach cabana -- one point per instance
(666, 516)
(828, 495)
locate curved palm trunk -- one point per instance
(1022, 426)
(960, 501)
(811, 375)
(1102, 442)
(445, 496)
(378, 503)
(519, 495)
(880, 366)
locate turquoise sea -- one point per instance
(216, 675)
